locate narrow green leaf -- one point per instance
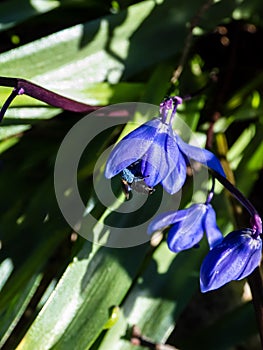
(157, 299)
(100, 280)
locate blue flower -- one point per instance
(160, 155)
(233, 259)
(188, 227)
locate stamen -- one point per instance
(170, 103)
(165, 107)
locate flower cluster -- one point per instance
(152, 154)
(232, 257)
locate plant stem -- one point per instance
(236, 193)
(22, 86)
(187, 45)
(7, 103)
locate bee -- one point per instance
(132, 180)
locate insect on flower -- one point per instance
(132, 179)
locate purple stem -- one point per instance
(22, 86)
(256, 221)
(7, 103)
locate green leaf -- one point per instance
(157, 299)
(100, 280)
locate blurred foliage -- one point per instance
(57, 290)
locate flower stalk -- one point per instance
(7, 103)
(22, 86)
(256, 221)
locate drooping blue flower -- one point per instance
(160, 155)
(233, 259)
(154, 149)
(188, 226)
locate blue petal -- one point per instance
(233, 259)
(166, 219)
(132, 147)
(201, 155)
(188, 232)
(160, 158)
(214, 235)
(175, 180)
